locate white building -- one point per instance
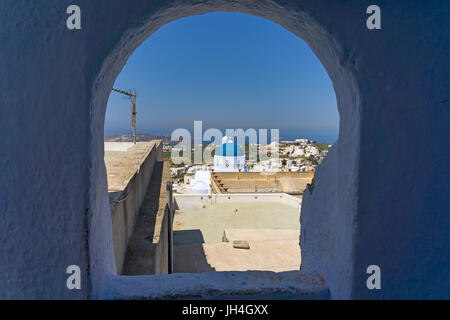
(201, 184)
(298, 152)
(289, 149)
(269, 165)
(313, 151)
(229, 157)
(177, 171)
(303, 142)
(194, 169)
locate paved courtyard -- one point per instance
(203, 237)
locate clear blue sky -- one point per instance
(230, 70)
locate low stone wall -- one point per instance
(161, 243)
(124, 211)
(147, 251)
(188, 201)
(293, 183)
(262, 175)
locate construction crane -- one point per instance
(132, 95)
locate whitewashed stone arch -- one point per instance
(367, 205)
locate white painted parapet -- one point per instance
(252, 285)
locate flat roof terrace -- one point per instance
(208, 223)
(205, 231)
(244, 182)
(122, 161)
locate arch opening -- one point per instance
(231, 71)
(315, 227)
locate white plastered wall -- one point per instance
(381, 196)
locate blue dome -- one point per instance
(229, 150)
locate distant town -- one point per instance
(300, 155)
(296, 156)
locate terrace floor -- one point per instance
(203, 237)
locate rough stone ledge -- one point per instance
(295, 285)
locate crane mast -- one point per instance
(132, 95)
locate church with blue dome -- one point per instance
(229, 157)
